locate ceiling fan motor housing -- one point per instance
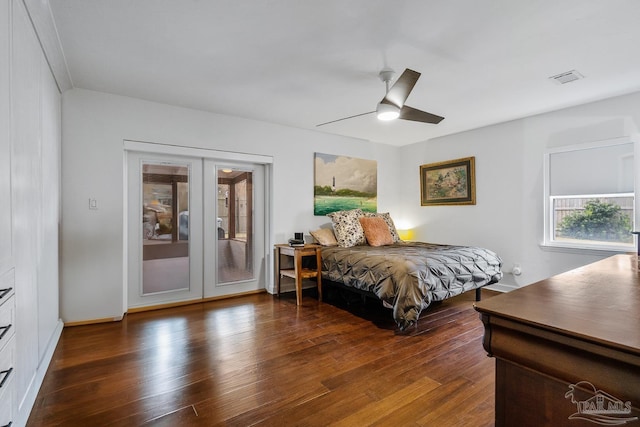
(386, 75)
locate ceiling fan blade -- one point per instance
(345, 118)
(401, 89)
(409, 113)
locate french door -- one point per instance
(195, 228)
(234, 249)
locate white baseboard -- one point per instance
(508, 283)
(501, 287)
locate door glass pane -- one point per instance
(165, 227)
(235, 225)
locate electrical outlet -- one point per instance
(517, 269)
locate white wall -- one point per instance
(508, 215)
(94, 127)
(507, 218)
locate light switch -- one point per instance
(93, 204)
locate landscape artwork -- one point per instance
(343, 183)
(448, 183)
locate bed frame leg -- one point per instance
(478, 294)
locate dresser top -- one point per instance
(599, 302)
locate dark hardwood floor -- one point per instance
(261, 360)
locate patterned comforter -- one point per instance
(408, 276)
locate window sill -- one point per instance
(604, 251)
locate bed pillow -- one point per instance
(392, 227)
(347, 228)
(376, 231)
(325, 237)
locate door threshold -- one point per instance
(193, 301)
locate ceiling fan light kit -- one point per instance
(386, 112)
(392, 106)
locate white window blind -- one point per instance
(595, 170)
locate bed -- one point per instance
(405, 276)
(409, 276)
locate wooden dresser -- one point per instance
(567, 348)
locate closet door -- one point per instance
(26, 186)
(5, 147)
(48, 293)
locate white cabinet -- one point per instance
(7, 384)
(30, 194)
(7, 312)
(7, 350)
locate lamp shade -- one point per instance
(387, 112)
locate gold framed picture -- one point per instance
(448, 183)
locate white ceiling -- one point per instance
(302, 62)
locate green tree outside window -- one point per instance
(598, 221)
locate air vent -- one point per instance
(567, 77)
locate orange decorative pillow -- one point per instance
(376, 230)
(389, 221)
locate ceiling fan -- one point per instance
(393, 105)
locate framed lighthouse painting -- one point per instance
(343, 183)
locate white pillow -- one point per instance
(347, 228)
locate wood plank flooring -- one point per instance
(261, 360)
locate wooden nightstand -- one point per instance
(297, 272)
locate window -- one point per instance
(590, 196)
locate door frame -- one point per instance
(159, 148)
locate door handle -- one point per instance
(6, 376)
(4, 329)
(4, 292)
